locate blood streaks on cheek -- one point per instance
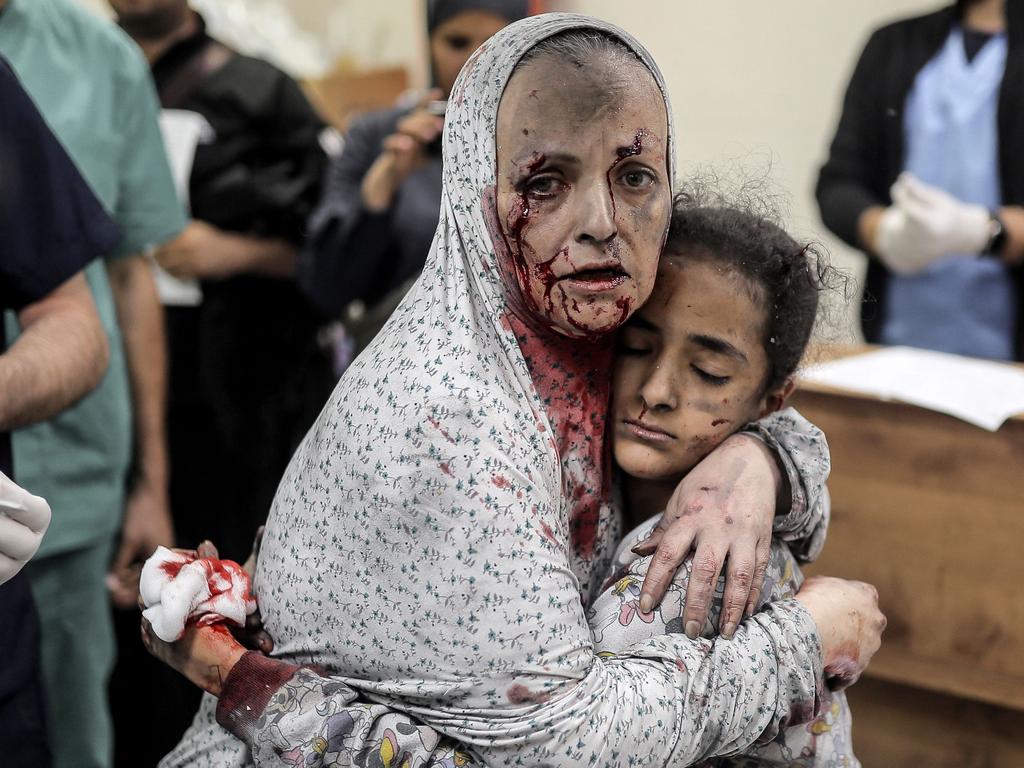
(720, 422)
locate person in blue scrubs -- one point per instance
(925, 175)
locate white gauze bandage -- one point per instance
(178, 587)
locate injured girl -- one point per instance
(714, 349)
(438, 536)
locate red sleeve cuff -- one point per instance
(248, 688)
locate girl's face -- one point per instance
(690, 369)
(582, 192)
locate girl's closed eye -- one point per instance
(710, 378)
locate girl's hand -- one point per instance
(205, 655)
(849, 623)
(723, 509)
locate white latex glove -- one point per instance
(24, 519)
(924, 224)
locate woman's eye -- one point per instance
(710, 378)
(543, 187)
(638, 178)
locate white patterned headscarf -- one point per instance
(428, 543)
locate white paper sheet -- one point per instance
(182, 131)
(980, 392)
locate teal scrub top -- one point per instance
(92, 85)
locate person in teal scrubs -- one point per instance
(93, 88)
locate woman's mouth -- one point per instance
(595, 280)
(646, 433)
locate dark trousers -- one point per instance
(23, 714)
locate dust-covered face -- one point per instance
(582, 192)
(690, 369)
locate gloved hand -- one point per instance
(23, 521)
(925, 223)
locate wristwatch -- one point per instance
(996, 236)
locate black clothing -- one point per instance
(352, 254)
(51, 227)
(866, 154)
(246, 376)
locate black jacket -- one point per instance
(246, 375)
(866, 154)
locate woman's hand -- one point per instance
(403, 152)
(205, 655)
(723, 509)
(849, 623)
(252, 635)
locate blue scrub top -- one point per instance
(960, 304)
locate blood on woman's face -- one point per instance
(582, 192)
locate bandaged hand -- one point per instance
(180, 587)
(925, 224)
(24, 519)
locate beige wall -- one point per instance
(756, 82)
(367, 34)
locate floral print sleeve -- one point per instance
(665, 700)
(804, 453)
(290, 715)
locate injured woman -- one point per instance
(437, 541)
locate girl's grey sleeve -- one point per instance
(803, 451)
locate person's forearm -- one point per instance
(1012, 217)
(141, 319)
(60, 356)
(270, 257)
